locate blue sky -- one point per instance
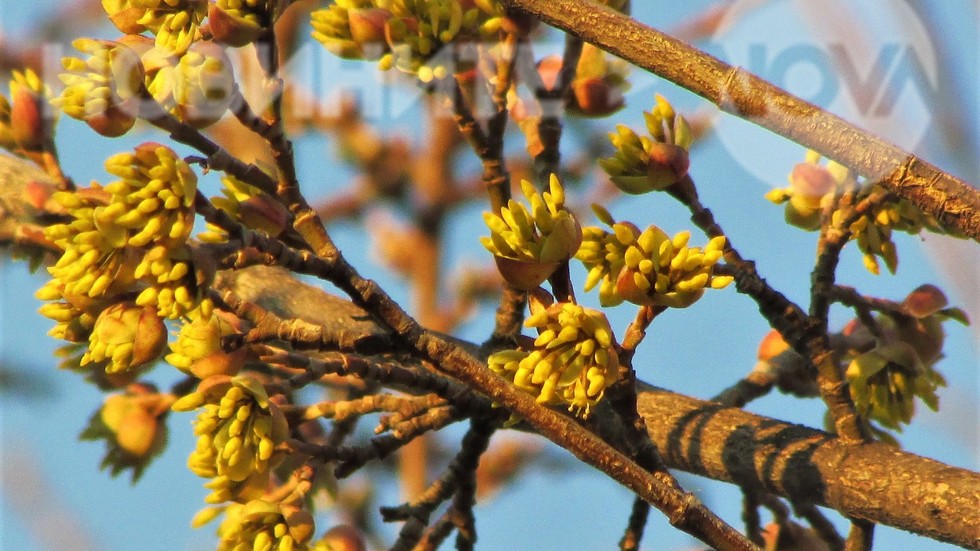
(697, 351)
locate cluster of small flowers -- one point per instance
(106, 88)
(250, 206)
(648, 267)
(238, 430)
(572, 360)
(887, 369)
(406, 34)
(174, 23)
(127, 238)
(267, 526)
(131, 424)
(813, 187)
(654, 162)
(529, 244)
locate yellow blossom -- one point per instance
(648, 267)
(572, 360)
(529, 244)
(238, 429)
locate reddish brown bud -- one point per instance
(771, 346)
(111, 123)
(668, 163)
(549, 68)
(924, 301)
(524, 275)
(594, 97)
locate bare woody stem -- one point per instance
(952, 201)
(874, 482)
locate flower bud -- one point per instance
(342, 538)
(125, 16)
(103, 89)
(128, 335)
(231, 28)
(367, 26)
(28, 127)
(667, 164)
(924, 301)
(771, 346)
(198, 87)
(198, 350)
(809, 184)
(130, 424)
(595, 97)
(264, 213)
(529, 244)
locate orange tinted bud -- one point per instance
(549, 68)
(37, 194)
(27, 119)
(771, 346)
(111, 123)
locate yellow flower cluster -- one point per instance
(132, 427)
(197, 349)
(886, 370)
(812, 186)
(196, 87)
(572, 361)
(648, 267)
(654, 162)
(407, 34)
(885, 381)
(103, 89)
(174, 22)
(238, 429)
(250, 206)
(529, 244)
(266, 526)
(126, 334)
(237, 22)
(127, 236)
(153, 202)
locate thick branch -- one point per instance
(875, 482)
(953, 202)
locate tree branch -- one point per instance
(953, 202)
(874, 482)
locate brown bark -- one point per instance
(952, 201)
(875, 482)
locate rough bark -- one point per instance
(870, 481)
